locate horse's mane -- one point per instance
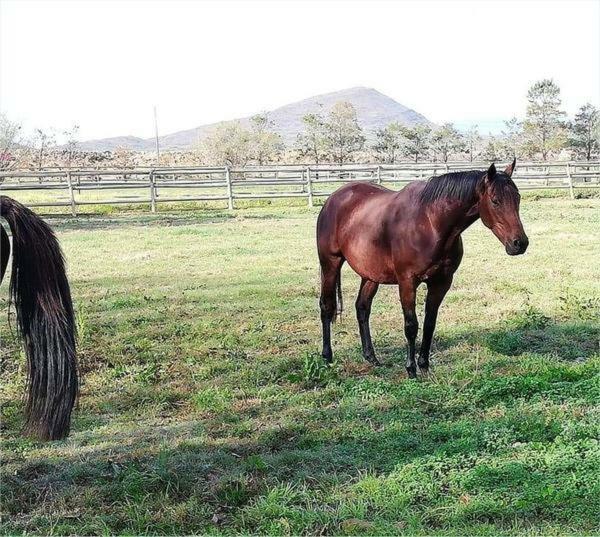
(456, 185)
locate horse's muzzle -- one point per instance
(517, 246)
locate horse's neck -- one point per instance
(450, 226)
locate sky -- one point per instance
(104, 65)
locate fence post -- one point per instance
(229, 189)
(378, 175)
(71, 194)
(309, 186)
(570, 177)
(152, 192)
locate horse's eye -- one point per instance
(495, 202)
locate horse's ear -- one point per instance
(511, 167)
(491, 173)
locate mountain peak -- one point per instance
(373, 108)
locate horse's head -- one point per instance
(499, 209)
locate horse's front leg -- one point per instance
(408, 292)
(436, 291)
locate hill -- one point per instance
(374, 110)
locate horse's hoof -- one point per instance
(372, 360)
(412, 372)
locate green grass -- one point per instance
(205, 407)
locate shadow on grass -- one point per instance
(169, 217)
(424, 452)
(576, 340)
(572, 341)
(94, 222)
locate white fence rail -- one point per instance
(73, 187)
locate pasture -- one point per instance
(205, 407)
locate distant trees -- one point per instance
(585, 132)
(9, 137)
(512, 135)
(389, 143)
(227, 144)
(396, 142)
(43, 141)
(418, 142)
(312, 143)
(265, 144)
(343, 134)
(472, 141)
(543, 128)
(335, 138)
(447, 141)
(71, 143)
(233, 144)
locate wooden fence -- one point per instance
(78, 187)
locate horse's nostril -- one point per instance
(517, 243)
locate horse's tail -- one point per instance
(45, 320)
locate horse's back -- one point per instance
(355, 224)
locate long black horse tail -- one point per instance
(40, 291)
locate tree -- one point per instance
(313, 141)
(585, 132)
(9, 137)
(42, 142)
(71, 143)
(472, 142)
(511, 139)
(446, 141)
(265, 144)
(492, 150)
(543, 127)
(417, 141)
(388, 142)
(227, 144)
(343, 133)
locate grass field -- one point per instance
(205, 407)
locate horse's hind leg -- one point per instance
(363, 311)
(330, 273)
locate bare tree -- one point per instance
(265, 144)
(9, 137)
(42, 142)
(71, 138)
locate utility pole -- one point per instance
(156, 137)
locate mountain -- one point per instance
(374, 110)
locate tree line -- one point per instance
(336, 137)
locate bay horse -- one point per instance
(45, 320)
(408, 237)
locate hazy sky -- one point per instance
(105, 64)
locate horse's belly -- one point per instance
(370, 262)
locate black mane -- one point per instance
(456, 185)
